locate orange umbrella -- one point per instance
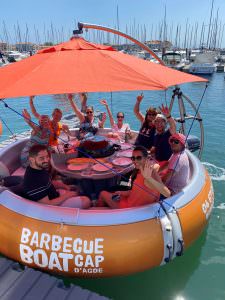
(77, 66)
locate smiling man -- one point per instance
(39, 187)
(177, 175)
(161, 148)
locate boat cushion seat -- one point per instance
(4, 171)
(19, 172)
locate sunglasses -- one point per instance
(138, 158)
(89, 112)
(172, 141)
(149, 114)
(120, 117)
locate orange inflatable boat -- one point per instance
(101, 243)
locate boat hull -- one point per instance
(99, 250)
(102, 243)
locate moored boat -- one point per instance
(204, 63)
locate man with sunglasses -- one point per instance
(88, 122)
(146, 188)
(177, 174)
(147, 130)
(161, 148)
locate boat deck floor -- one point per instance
(17, 282)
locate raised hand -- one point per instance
(148, 169)
(165, 110)
(70, 97)
(103, 102)
(140, 97)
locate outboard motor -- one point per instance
(193, 143)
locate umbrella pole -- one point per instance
(114, 31)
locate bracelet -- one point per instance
(168, 117)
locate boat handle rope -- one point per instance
(82, 152)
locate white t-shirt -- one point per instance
(121, 131)
(179, 163)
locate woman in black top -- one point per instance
(147, 131)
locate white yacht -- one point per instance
(174, 60)
(14, 56)
(204, 63)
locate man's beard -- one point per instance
(43, 166)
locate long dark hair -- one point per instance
(151, 110)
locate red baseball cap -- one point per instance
(178, 136)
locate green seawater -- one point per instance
(200, 273)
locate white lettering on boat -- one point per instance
(59, 253)
(207, 205)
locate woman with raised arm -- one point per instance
(88, 122)
(119, 130)
(146, 188)
(83, 102)
(55, 125)
(147, 131)
(40, 135)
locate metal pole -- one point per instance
(126, 36)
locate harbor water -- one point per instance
(200, 273)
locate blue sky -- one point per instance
(64, 13)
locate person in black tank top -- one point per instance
(147, 132)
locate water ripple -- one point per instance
(216, 173)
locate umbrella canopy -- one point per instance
(78, 66)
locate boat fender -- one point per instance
(168, 239)
(178, 242)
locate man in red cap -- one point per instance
(177, 175)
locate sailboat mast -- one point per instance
(210, 21)
(117, 23)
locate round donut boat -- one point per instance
(102, 243)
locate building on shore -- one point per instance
(25, 46)
(3, 46)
